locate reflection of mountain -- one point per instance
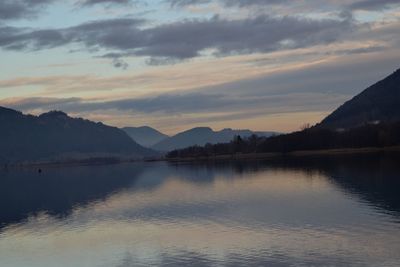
(374, 178)
(58, 190)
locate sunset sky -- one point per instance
(177, 64)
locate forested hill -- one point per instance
(145, 135)
(203, 135)
(379, 136)
(54, 134)
(378, 103)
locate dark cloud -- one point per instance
(182, 103)
(42, 103)
(342, 7)
(19, 9)
(167, 103)
(354, 5)
(12, 38)
(109, 34)
(185, 39)
(120, 64)
(172, 103)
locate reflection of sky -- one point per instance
(269, 216)
(369, 48)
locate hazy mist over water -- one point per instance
(326, 211)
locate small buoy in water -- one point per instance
(40, 171)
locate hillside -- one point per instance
(378, 103)
(145, 135)
(201, 136)
(55, 134)
(371, 119)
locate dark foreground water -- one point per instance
(310, 212)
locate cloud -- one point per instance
(180, 103)
(316, 88)
(362, 50)
(240, 3)
(120, 64)
(110, 3)
(373, 4)
(171, 103)
(19, 9)
(32, 103)
(181, 3)
(104, 33)
(95, 2)
(159, 61)
(182, 40)
(182, 110)
(346, 4)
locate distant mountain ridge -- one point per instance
(54, 134)
(378, 103)
(203, 135)
(145, 135)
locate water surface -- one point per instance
(330, 211)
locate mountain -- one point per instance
(378, 103)
(55, 135)
(201, 136)
(145, 135)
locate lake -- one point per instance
(312, 211)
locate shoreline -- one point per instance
(300, 153)
(73, 163)
(250, 156)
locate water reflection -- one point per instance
(57, 191)
(335, 211)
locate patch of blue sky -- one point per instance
(15, 92)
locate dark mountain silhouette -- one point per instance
(145, 135)
(378, 103)
(383, 135)
(370, 119)
(201, 136)
(55, 135)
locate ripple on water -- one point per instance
(170, 216)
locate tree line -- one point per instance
(313, 138)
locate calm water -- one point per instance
(311, 212)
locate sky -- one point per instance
(267, 65)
